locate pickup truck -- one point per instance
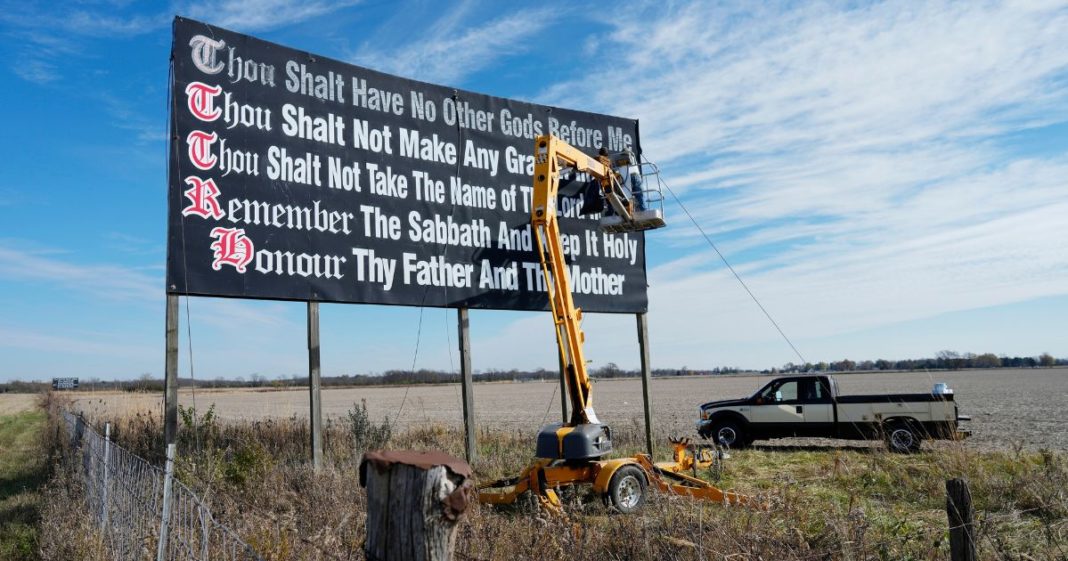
(810, 406)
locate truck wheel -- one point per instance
(902, 438)
(729, 434)
(626, 490)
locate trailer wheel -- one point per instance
(626, 490)
(902, 438)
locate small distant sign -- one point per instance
(64, 383)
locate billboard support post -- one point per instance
(315, 412)
(467, 384)
(647, 374)
(170, 370)
(563, 392)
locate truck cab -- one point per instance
(801, 406)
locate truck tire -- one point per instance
(729, 433)
(626, 490)
(902, 437)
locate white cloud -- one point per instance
(271, 340)
(85, 343)
(41, 26)
(36, 71)
(104, 280)
(46, 35)
(95, 24)
(855, 162)
(240, 315)
(452, 48)
(43, 38)
(116, 282)
(260, 15)
(148, 131)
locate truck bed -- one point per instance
(894, 398)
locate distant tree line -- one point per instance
(944, 360)
(18, 386)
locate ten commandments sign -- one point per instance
(297, 177)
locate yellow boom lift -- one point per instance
(577, 452)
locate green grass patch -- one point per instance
(23, 470)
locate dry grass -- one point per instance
(66, 531)
(827, 503)
(15, 403)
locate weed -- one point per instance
(366, 434)
(246, 463)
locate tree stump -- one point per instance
(414, 500)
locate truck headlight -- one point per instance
(705, 414)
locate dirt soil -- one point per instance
(1008, 407)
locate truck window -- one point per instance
(813, 390)
(786, 391)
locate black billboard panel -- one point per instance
(297, 177)
(64, 383)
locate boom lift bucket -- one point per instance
(635, 199)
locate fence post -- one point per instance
(104, 489)
(961, 521)
(205, 532)
(414, 501)
(165, 515)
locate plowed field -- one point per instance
(1008, 406)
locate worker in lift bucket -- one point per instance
(634, 178)
(631, 177)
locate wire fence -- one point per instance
(143, 512)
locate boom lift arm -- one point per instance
(551, 156)
(573, 453)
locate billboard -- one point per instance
(64, 383)
(297, 177)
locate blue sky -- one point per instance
(891, 179)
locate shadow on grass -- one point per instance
(31, 478)
(819, 447)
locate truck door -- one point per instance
(779, 411)
(818, 408)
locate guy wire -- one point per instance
(734, 272)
